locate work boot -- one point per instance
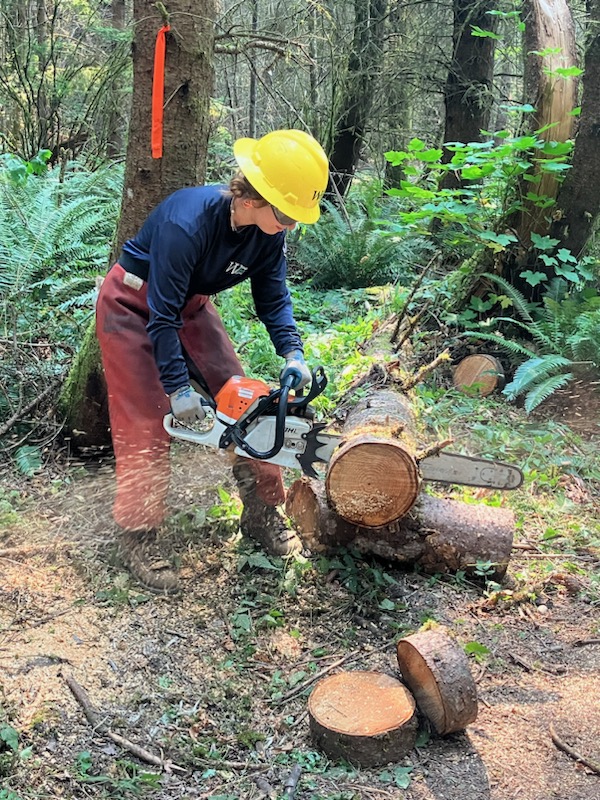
(267, 525)
(141, 554)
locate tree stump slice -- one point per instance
(437, 671)
(439, 535)
(478, 375)
(366, 718)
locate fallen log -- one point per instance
(437, 671)
(373, 477)
(366, 718)
(438, 535)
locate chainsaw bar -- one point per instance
(470, 471)
(444, 467)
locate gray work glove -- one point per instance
(186, 405)
(296, 365)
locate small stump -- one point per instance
(437, 671)
(478, 375)
(366, 718)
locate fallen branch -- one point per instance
(93, 718)
(424, 371)
(290, 785)
(413, 291)
(582, 642)
(29, 407)
(593, 765)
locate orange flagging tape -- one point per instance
(158, 91)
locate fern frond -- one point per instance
(505, 344)
(519, 302)
(545, 389)
(531, 372)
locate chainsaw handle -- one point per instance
(281, 395)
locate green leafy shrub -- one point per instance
(349, 248)
(563, 332)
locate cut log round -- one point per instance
(367, 718)
(439, 535)
(437, 671)
(478, 375)
(373, 478)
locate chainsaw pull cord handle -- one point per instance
(281, 395)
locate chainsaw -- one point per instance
(278, 426)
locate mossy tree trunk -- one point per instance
(189, 76)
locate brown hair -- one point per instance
(240, 186)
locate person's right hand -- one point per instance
(186, 405)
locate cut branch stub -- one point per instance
(373, 478)
(437, 671)
(367, 718)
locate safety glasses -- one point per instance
(282, 218)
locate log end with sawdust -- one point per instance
(373, 477)
(437, 672)
(366, 718)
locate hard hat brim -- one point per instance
(243, 150)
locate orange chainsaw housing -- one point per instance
(238, 395)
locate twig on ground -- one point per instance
(583, 642)
(593, 765)
(95, 721)
(21, 412)
(290, 785)
(31, 550)
(554, 670)
(265, 787)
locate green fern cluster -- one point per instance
(565, 336)
(56, 230)
(347, 249)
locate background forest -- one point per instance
(461, 214)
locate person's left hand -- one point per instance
(296, 365)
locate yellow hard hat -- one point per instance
(288, 168)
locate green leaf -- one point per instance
(565, 72)
(476, 648)
(387, 605)
(9, 736)
(543, 242)
(567, 273)
(477, 31)
(533, 278)
(549, 261)
(566, 256)
(29, 459)
(416, 144)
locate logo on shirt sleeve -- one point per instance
(235, 268)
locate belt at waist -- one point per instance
(133, 265)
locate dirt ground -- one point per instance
(215, 682)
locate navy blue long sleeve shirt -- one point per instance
(185, 247)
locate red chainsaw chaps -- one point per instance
(137, 402)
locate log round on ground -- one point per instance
(366, 718)
(436, 670)
(478, 375)
(437, 534)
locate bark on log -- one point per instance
(367, 718)
(439, 535)
(437, 671)
(373, 478)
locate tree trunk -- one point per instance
(437, 671)
(357, 96)
(549, 28)
(578, 203)
(188, 86)
(468, 91)
(366, 718)
(437, 535)
(188, 83)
